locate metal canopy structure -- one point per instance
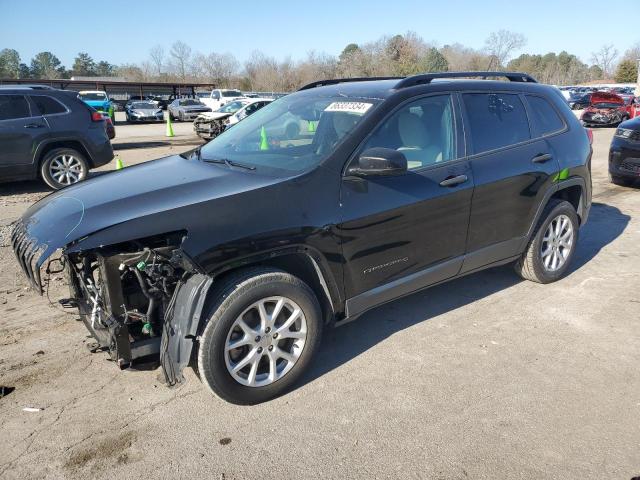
(115, 87)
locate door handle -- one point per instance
(34, 125)
(542, 158)
(453, 181)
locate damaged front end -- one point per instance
(210, 126)
(140, 300)
(602, 116)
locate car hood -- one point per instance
(605, 97)
(197, 108)
(161, 191)
(214, 115)
(146, 111)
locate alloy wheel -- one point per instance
(265, 341)
(557, 243)
(66, 169)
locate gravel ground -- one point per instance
(484, 377)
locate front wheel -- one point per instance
(260, 336)
(62, 167)
(552, 245)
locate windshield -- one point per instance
(232, 107)
(92, 96)
(231, 93)
(144, 105)
(189, 102)
(292, 134)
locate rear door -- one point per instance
(21, 130)
(401, 233)
(512, 169)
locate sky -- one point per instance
(123, 31)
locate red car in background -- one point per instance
(630, 103)
(605, 109)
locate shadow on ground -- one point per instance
(340, 345)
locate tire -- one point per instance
(171, 117)
(237, 298)
(532, 265)
(618, 180)
(76, 166)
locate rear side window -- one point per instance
(496, 120)
(48, 105)
(544, 118)
(13, 106)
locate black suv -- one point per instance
(49, 134)
(624, 153)
(235, 256)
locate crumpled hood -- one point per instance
(158, 189)
(214, 115)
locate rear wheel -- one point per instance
(260, 337)
(62, 167)
(552, 244)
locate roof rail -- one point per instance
(21, 86)
(334, 81)
(425, 78)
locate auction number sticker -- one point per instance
(350, 107)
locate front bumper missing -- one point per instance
(28, 252)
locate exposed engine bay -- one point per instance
(208, 127)
(125, 294)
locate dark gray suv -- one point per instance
(49, 134)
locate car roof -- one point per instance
(385, 88)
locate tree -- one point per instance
(46, 65)
(627, 72)
(83, 65)
(633, 53)
(180, 54)
(500, 46)
(9, 63)
(348, 51)
(105, 69)
(434, 61)
(217, 68)
(157, 55)
(604, 58)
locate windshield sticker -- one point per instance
(359, 108)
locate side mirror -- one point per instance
(379, 161)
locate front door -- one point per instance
(402, 233)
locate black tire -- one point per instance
(56, 153)
(618, 180)
(531, 266)
(171, 117)
(234, 296)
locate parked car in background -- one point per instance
(143, 111)
(50, 134)
(604, 109)
(218, 97)
(163, 101)
(186, 109)
(624, 153)
(109, 126)
(579, 101)
(211, 124)
(235, 256)
(98, 100)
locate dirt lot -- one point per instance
(484, 377)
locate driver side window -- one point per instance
(422, 130)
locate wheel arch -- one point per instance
(47, 146)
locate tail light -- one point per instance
(589, 135)
(96, 116)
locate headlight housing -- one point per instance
(624, 133)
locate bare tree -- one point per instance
(633, 53)
(605, 58)
(180, 54)
(217, 68)
(156, 56)
(501, 45)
